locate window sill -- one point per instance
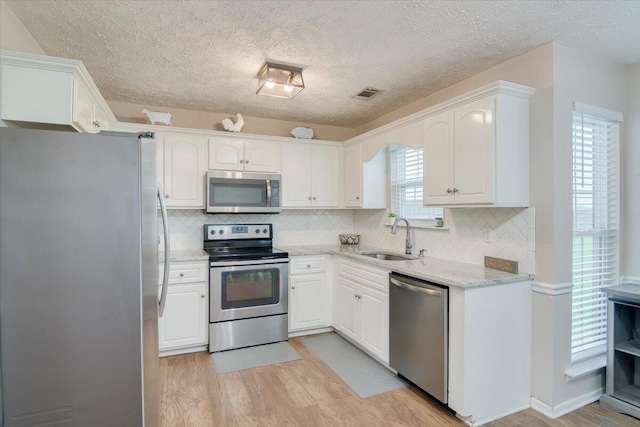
(586, 366)
(424, 226)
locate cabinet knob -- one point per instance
(166, 196)
(96, 123)
(314, 198)
(203, 296)
(308, 265)
(293, 287)
(357, 197)
(181, 274)
(246, 161)
(455, 190)
(309, 197)
(241, 161)
(449, 190)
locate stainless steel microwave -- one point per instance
(242, 192)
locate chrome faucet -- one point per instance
(393, 231)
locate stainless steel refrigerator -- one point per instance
(78, 279)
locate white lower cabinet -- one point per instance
(308, 293)
(183, 326)
(362, 302)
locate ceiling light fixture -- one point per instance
(279, 81)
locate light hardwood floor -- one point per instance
(308, 393)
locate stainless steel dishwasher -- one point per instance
(418, 333)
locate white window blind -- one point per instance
(406, 169)
(595, 229)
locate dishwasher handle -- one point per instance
(413, 288)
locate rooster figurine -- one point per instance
(233, 127)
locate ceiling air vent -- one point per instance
(366, 93)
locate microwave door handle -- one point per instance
(268, 192)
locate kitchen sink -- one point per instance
(386, 257)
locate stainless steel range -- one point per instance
(248, 284)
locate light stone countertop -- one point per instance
(188, 255)
(437, 270)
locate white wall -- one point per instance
(631, 175)
(14, 35)
(581, 77)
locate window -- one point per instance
(406, 166)
(595, 226)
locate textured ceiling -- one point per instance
(204, 55)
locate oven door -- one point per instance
(237, 192)
(245, 289)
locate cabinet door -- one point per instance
(348, 306)
(438, 153)
(184, 170)
(100, 121)
(374, 322)
(226, 154)
(83, 109)
(296, 175)
(352, 176)
(325, 176)
(263, 156)
(475, 152)
(307, 296)
(185, 321)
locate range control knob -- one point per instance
(257, 231)
(221, 231)
(212, 232)
(264, 231)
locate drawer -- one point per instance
(185, 272)
(307, 264)
(364, 274)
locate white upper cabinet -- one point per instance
(51, 91)
(478, 153)
(184, 170)
(310, 175)
(438, 145)
(239, 155)
(365, 183)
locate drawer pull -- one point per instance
(181, 274)
(203, 296)
(308, 265)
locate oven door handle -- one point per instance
(167, 255)
(249, 262)
(268, 193)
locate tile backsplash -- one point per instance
(472, 233)
(291, 227)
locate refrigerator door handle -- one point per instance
(165, 226)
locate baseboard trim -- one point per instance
(630, 280)
(551, 289)
(472, 423)
(310, 332)
(567, 406)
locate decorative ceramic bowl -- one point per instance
(349, 239)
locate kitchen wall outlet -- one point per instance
(489, 235)
(371, 226)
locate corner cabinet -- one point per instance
(365, 183)
(38, 89)
(310, 175)
(182, 158)
(249, 156)
(184, 325)
(477, 154)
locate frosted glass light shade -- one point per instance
(279, 81)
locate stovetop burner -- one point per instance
(230, 242)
